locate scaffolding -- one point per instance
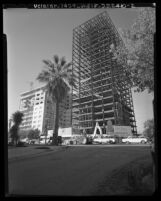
(103, 89)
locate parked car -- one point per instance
(42, 141)
(34, 141)
(133, 139)
(104, 140)
(25, 140)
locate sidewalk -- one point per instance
(31, 151)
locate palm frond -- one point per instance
(67, 66)
(62, 61)
(59, 68)
(59, 79)
(47, 63)
(56, 59)
(44, 76)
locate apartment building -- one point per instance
(39, 110)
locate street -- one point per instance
(76, 170)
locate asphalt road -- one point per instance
(77, 170)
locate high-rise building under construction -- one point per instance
(103, 89)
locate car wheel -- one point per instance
(142, 142)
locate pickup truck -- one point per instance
(104, 140)
(133, 139)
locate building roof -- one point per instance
(32, 91)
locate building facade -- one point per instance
(39, 110)
(103, 90)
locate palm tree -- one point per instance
(59, 80)
(17, 118)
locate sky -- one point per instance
(37, 34)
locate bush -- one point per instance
(140, 180)
(33, 134)
(20, 144)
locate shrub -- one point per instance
(20, 144)
(140, 180)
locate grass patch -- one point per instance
(135, 178)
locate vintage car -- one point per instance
(104, 140)
(134, 139)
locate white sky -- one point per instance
(37, 34)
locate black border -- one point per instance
(4, 144)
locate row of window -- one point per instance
(28, 114)
(38, 98)
(38, 94)
(37, 103)
(27, 118)
(26, 127)
(35, 117)
(36, 126)
(39, 125)
(37, 121)
(26, 124)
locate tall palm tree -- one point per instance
(17, 118)
(59, 80)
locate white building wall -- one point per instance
(38, 110)
(32, 105)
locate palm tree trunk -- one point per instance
(56, 125)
